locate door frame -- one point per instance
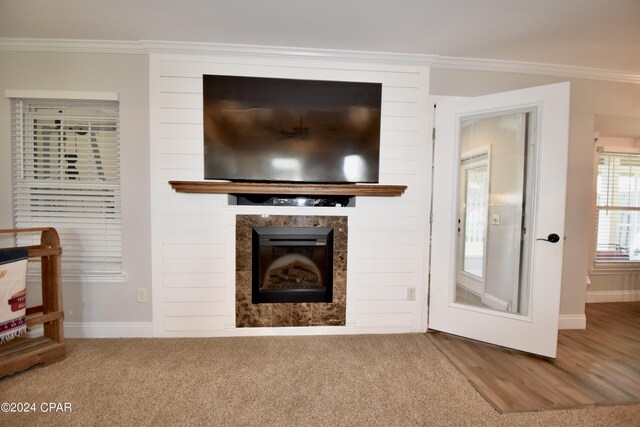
(432, 101)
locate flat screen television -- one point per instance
(287, 130)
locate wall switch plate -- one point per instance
(411, 294)
(142, 295)
(495, 219)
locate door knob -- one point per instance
(553, 238)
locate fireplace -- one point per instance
(325, 244)
(292, 265)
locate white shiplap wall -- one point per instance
(193, 243)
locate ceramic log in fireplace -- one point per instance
(292, 264)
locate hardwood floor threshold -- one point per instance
(598, 366)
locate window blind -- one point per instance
(618, 208)
(66, 175)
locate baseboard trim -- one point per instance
(287, 331)
(572, 321)
(495, 302)
(613, 296)
(108, 329)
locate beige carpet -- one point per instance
(332, 380)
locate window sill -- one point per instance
(615, 269)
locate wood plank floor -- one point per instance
(463, 296)
(596, 366)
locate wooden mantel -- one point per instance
(288, 189)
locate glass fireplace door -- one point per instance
(292, 264)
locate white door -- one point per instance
(500, 167)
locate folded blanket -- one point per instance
(13, 292)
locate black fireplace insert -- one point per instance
(292, 264)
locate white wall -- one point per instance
(194, 234)
(611, 286)
(588, 99)
(188, 291)
(95, 303)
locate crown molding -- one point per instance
(222, 49)
(478, 64)
(71, 45)
(143, 47)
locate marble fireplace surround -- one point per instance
(290, 314)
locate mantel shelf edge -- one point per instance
(214, 187)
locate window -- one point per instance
(66, 175)
(474, 221)
(617, 211)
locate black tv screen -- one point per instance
(286, 130)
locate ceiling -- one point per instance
(601, 34)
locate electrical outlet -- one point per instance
(411, 294)
(142, 295)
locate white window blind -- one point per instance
(618, 209)
(66, 175)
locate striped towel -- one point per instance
(13, 292)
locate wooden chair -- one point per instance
(22, 353)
